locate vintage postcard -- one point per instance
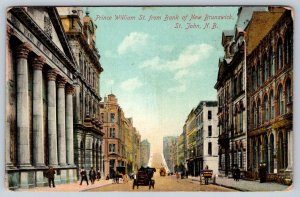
(154, 98)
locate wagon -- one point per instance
(144, 178)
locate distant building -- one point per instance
(207, 137)
(145, 153)
(169, 151)
(190, 133)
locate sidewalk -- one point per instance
(68, 187)
(244, 185)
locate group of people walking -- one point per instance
(93, 175)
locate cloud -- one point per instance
(110, 82)
(133, 42)
(181, 74)
(179, 89)
(190, 56)
(131, 84)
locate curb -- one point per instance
(230, 187)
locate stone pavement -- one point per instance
(69, 187)
(245, 185)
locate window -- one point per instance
(259, 75)
(112, 117)
(112, 132)
(102, 117)
(254, 79)
(288, 48)
(266, 104)
(279, 54)
(209, 148)
(259, 115)
(272, 62)
(241, 121)
(209, 131)
(266, 67)
(288, 91)
(209, 115)
(112, 148)
(254, 115)
(281, 101)
(271, 105)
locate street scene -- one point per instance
(149, 99)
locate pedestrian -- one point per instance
(262, 172)
(83, 176)
(98, 175)
(92, 175)
(206, 176)
(234, 171)
(50, 174)
(238, 173)
(177, 176)
(117, 177)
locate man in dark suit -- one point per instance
(83, 176)
(50, 175)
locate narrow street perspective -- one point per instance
(149, 98)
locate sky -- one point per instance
(158, 72)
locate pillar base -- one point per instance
(26, 180)
(40, 179)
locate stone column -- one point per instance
(77, 104)
(23, 149)
(61, 121)
(69, 125)
(37, 134)
(9, 62)
(101, 158)
(52, 127)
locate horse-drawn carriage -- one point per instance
(144, 178)
(162, 171)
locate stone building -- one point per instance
(231, 87)
(40, 74)
(207, 137)
(113, 146)
(121, 147)
(270, 93)
(145, 152)
(81, 35)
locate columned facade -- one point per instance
(39, 108)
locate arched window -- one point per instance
(288, 48)
(272, 108)
(258, 112)
(266, 67)
(259, 70)
(254, 79)
(266, 149)
(271, 62)
(254, 146)
(279, 54)
(288, 91)
(271, 154)
(266, 106)
(254, 115)
(280, 100)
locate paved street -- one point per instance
(167, 183)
